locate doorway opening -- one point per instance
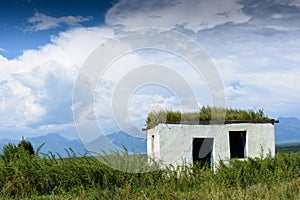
(202, 151)
(237, 141)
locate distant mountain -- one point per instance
(53, 142)
(120, 139)
(287, 130)
(57, 144)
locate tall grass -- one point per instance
(51, 177)
(206, 113)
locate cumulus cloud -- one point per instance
(18, 106)
(41, 22)
(268, 88)
(257, 60)
(138, 107)
(192, 14)
(36, 88)
(261, 56)
(145, 96)
(141, 104)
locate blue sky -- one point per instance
(254, 45)
(31, 23)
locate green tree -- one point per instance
(27, 146)
(11, 151)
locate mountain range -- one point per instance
(53, 143)
(60, 146)
(120, 140)
(286, 131)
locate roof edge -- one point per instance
(220, 122)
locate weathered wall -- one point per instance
(153, 153)
(173, 142)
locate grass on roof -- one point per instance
(206, 113)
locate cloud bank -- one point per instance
(191, 14)
(254, 45)
(36, 88)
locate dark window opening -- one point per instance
(202, 151)
(237, 141)
(152, 144)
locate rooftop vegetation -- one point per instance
(206, 113)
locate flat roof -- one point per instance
(220, 122)
(201, 122)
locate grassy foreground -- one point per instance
(29, 176)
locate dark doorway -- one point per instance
(202, 151)
(237, 140)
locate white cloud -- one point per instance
(259, 67)
(173, 93)
(36, 88)
(295, 3)
(53, 128)
(18, 107)
(140, 105)
(40, 21)
(192, 14)
(3, 50)
(268, 88)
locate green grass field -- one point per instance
(29, 176)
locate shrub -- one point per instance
(11, 151)
(27, 146)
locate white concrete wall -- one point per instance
(153, 153)
(173, 142)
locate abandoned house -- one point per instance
(207, 142)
